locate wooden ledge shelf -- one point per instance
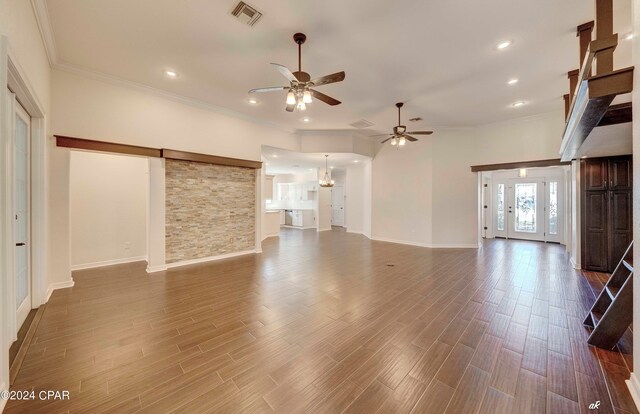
(115, 148)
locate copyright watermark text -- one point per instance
(31, 395)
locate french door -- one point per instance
(529, 209)
(22, 180)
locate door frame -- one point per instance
(558, 174)
(13, 80)
(21, 313)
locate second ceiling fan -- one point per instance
(301, 84)
(400, 135)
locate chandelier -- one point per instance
(326, 181)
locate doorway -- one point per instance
(529, 208)
(337, 206)
(22, 213)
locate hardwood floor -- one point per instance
(326, 323)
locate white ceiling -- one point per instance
(279, 161)
(439, 56)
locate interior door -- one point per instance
(22, 135)
(337, 206)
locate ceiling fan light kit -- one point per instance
(400, 135)
(300, 92)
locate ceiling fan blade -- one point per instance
(285, 72)
(334, 77)
(410, 138)
(290, 108)
(386, 140)
(420, 132)
(269, 89)
(380, 135)
(324, 98)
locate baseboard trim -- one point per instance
(325, 229)
(575, 265)
(154, 269)
(108, 263)
(26, 342)
(634, 388)
(168, 266)
(59, 285)
(427, 245)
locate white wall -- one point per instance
(108, 208)
(426, 194)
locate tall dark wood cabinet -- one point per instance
(606, 211)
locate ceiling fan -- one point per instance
(400, 135)
(300, 83)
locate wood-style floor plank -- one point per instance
(321, 323)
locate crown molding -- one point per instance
(150, 90)
(41, 12)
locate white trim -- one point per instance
(575, 265)
(201, 260)
(319, 230)
(154, 269)
(41, 12)
(427, 245)
(108, 263)
(634, 388)
(286, 226)
(59, 285)
(267, 236)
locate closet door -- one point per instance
(595, 250)
(620, 173)
(595, 174)
(620, 225)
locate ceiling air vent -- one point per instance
(361, 124)
(246, 14)
(417, 119)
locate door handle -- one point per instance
(20, 244)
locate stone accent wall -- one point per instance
(210, 210)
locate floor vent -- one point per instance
(246, 14)
(361, 124)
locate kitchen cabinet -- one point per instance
(606, 211)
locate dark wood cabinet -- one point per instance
(606, 211)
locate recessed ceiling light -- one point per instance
(171, 74)
(628, 36)
(306, 119)
(519, 104)
(513, 81)
(253, 101)
(275, 155)
(332, 167)
(356, 161)
(266, 163)
(504, 44)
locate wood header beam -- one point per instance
(112, 147)
(516, 165)
(209, 159)
(617, 114)
(102, 146)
